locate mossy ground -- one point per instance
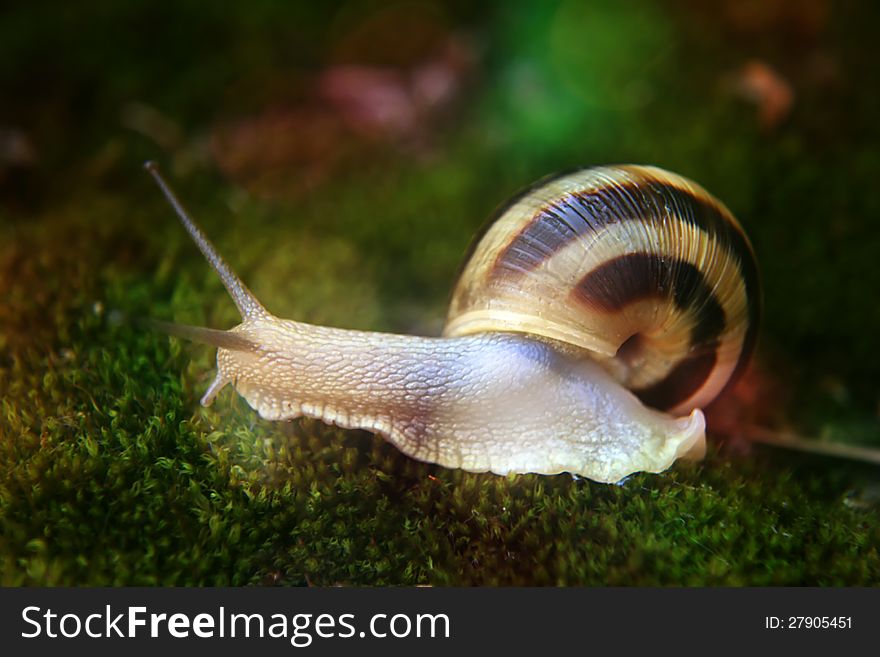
(111, 473)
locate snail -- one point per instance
(592, 320)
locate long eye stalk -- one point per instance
(245, 301)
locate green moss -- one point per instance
(110, 471)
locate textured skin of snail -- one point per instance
(594, 317)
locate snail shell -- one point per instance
(585, 287)
(642, 268)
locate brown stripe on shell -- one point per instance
(680, 384)
(624, 280)
(627, 279)
(643, 197)
(502, 209)
(561, 222)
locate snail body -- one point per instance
(589, 296)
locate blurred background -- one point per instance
(341, 155)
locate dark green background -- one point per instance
(111, 473)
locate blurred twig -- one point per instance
(793, 441)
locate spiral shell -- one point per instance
(642, 268)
